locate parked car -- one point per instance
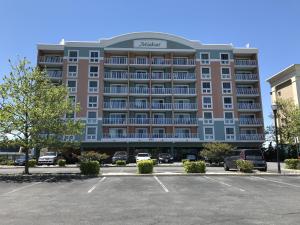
(253, 155)
(20, 161)
(191, 157)
(142, 156)
(165, 158)
(49, 159)
(120, 155)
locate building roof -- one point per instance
(283, 72)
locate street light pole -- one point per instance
(274, 108)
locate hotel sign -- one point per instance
(149, 43)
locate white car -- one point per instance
(142, 156)
(49, 159)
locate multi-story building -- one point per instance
(286, 84)
(155, 90)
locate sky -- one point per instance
(271, 26)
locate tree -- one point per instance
(215, 152)
(32, 109)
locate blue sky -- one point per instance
(271, 26)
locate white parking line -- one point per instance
(27, 186)
(94, 186)
(279, 182)
(223, 183)
(161, 184)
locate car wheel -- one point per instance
(226, 168)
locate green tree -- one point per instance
(32, 109)
(215, 152)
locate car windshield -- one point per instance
(51, 154)
(253, 154)
(164, 155)
(143, 155)
(120, 153)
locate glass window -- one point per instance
(226, 87)
(207, 102)
(94, 56)
(92, 101)
(93, 71)
(73, 56)
(204, 58)
(207, 118)
(225, 73)
(208, 133)
(229, 133)
(205, 73)
(227, 101)
(228, 118)
(224, 58)
(206, 87)
(91, 133)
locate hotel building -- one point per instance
(155, 90)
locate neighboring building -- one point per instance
(286, 84)
(155, 90)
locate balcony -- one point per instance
(115, 75)
(247, 92)
(249, 106)
(139, 121)
(161, 106)
(139, 61)
(116, 61)
(162, 121)
(114, 121)
(115, 105)
(184, 91)
(251, 122)
(245, 62)
(185, 106)
(54, 74)
(161, 76)
(185, 121)
(246, 77)
(151, 137)
(161, 91)
(51, 60)
(139, 105)
(139, 76)
(251, 137)
(139, 90)
(183, 62)
(116, 90)
(160, 62)
(184, 76)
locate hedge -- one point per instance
(155, 162)
(292, 163)
(31, 163)
(90, 167)
(121, 163)
(244, 166)
(145, 166)
(61, 162)
(194, 167)
(185, 160)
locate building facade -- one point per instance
(156, 90)
(286, 84)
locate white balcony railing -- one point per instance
(116, 60)
(112, 121)
(116, 75)
(251, 121)
(138, 105)
(245, 62)
(249, 106)
(139, 121)
(185, 121)
(155, 105)
(160, 61)
(56, 74)
(184, 76)
(116, 90)
(246, 77)
(184, 91)
(183, 61)
(51, 59)
(115, 105)
(251, 137)
(161, 76)
(139, 90)
(139, 61)
(163, 91)
(158, 121)
(185, 106)
(247, 91)
(139, 76)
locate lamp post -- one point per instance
(274, 108)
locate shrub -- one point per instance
(194, 167)
(61, 162)
(93, 156)
(185, 160)
(244, 165)
(155, 162)
(31, 163)
(292, 163)
(145, 166)
(90, 167)
(121, 163)
(9, 162)
(215, 152)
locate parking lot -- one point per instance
(153, 200)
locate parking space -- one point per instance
(153, 200)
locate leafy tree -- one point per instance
(32, 109)
(93, 156)
(215, 152)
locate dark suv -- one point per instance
(253, 155)
(165, 158)
(121, 155)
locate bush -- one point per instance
(185, 160)
(244, 165)
(121, 163)
(292, 163)
(145, 166)
(31, 163)
(9, 162)
(90, 167)
(61, 162)
(93, 156)
(194, 167)
(155, 162)
(215, 152)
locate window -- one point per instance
(226, 87)
(204, 58)
(207, 118)
(224, 58)
(225, 73)
(73, 56)
(72, 99)
(72, 71)
(229, 133)
(228, 118)
(69, 138)
(93, 86)
(205, 73)
(91, 133)
(158, 132)
(208, 133)
(206, 87)
(70, 115)
(72, 85)
(93, 71)
(91, 117)
(227, 102)
(94, 56)
(207, 102)
(93, 102)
